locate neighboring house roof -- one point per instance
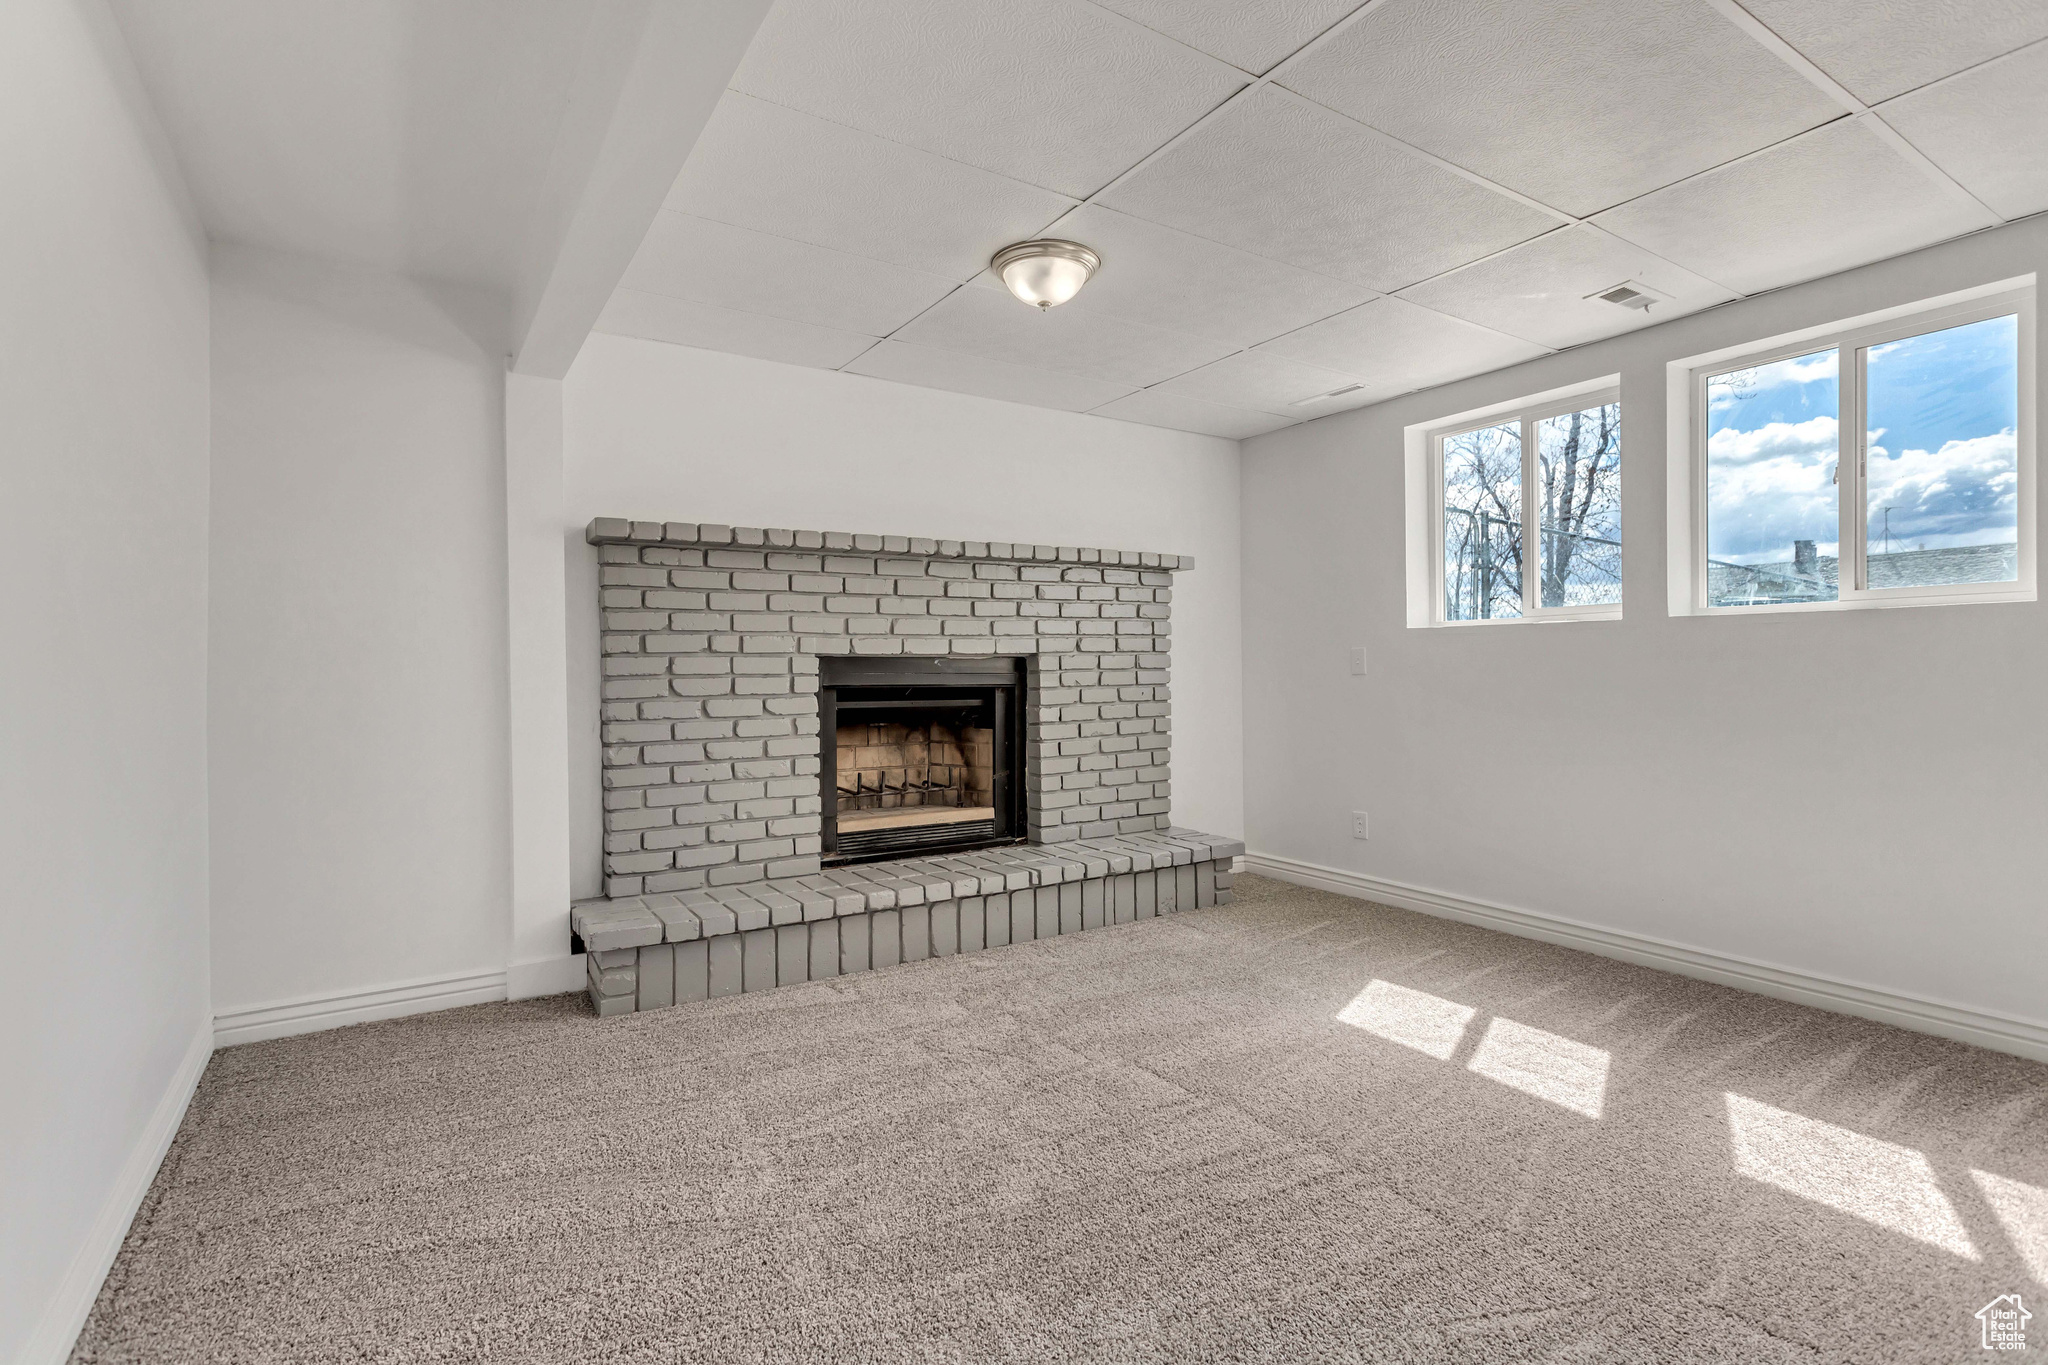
(1790, 581)
(1956, 564)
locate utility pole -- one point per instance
(1486, 563)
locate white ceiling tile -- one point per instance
(1267, 382)
(1057, 94)
(1579, 104)
(1399, 346)
(657, 317)
(1273, 175)
(962, 373)
(1155, 408)
(734, 267)
(1155, 275)
(1831, 199)
(1988, 128)
(985, 320)
(873, 156)
(1882, 48)
(785, 172)
(1539, 289)
(1252, 34)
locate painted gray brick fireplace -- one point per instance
(712, 641)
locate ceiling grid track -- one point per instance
(1272, 77)
(1362, 348)
(1798, 61)
(1254, 83)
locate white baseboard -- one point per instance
(311, 1013)
(51, 1341)
(545, 976)
(1984, 1028)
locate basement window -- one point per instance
(1526, 512)
(1886, 462)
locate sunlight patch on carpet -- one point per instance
(2022, 1211)
(1552, 1068)
(1428, 1023)
(1865, 1177)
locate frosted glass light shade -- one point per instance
(1045, 272)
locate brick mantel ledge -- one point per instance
(619, 531)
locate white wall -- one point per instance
(654, 431)
(358, 633)
(103, 451)
(1859, 795)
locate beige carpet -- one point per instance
(1298, 1128)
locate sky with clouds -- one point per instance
(1942, 410)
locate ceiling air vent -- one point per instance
(1629, 294)
(1333, 393)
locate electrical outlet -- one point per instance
(1358, 661)
(1360, 829)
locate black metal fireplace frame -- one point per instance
(1003, 681)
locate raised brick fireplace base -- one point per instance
(647, 952)
(716, 877)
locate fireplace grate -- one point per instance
(855, 844)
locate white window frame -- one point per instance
(1428, 439)
(1853, 340)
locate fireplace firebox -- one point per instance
(920, 755)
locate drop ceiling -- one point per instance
(1304, 206)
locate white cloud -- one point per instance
(1736, 385)
(1817, 438)
(1970, 485)
(1916, 475)
(1803, 369)
(1770, 486)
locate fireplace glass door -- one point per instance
(919, 755)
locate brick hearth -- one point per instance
(648, 952)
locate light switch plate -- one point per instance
(1358, 661)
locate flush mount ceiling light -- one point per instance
(1047, 271)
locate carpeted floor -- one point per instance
(1297, 1128)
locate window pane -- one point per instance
(1941, 461)
(1578, 458)
(1773, 505)
(1483, 523)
